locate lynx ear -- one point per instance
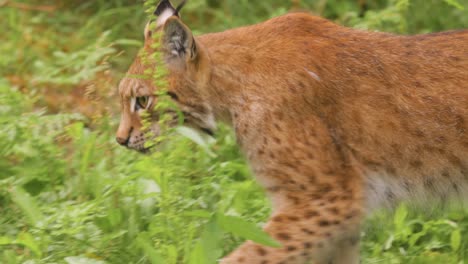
(165, 10)
(178, 40)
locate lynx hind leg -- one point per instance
(313, 233)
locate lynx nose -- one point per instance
(122, 141)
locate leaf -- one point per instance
(27, 240)
(242, 228)
(128, 42)
(455, 4)
(211, 241)
(197, 255)
(83, 260)
(27, 205)
(198, 213)
(455, 240)
(115, 217)
(171, 252)
(388, 244)
(5, 240)
(400, 217)
(144, 242)
(195, 136)
(208, 249)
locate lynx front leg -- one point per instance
(348, 251)
(310, 232)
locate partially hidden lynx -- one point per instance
(333, 121)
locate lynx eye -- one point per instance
(142, 102)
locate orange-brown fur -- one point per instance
(333, 121)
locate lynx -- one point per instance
(333, 121)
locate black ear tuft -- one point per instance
(163, 6)
(180, 6)
(166, 4)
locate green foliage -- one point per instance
(75, 67)
(417, 238)
(68, 194)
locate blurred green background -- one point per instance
(69, 194)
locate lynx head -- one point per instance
(186, 66)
